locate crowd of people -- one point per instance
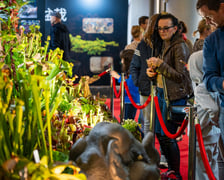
(161, 56)
(160, 52)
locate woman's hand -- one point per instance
(150, 72)
(114, 74)
(154, 62)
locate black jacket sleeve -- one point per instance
(135, 68)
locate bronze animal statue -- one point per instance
(110, 152)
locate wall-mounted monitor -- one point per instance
(100, 63)
(29, 10)
(98, 25)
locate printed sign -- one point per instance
(62, 11)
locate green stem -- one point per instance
(47, 97)
(18, 133)
(35, 91)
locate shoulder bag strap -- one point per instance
(165, 91)
(167, 114)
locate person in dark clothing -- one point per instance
(143, 23)
(171, 77)
(138, 68)
(59, 36)
(140, 79)
(213, 62)
(130, 110)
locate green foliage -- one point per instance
(90, 47)
(30, 80)
(132, 126)
(33, 86)
(65, 106)
(60, 156)
(8, 14)
(43, 171)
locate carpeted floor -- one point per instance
(183, 144)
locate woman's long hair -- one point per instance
(156, 39)
(150, 29)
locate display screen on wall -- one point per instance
(99, 64)
(29, 10)
(98, 25)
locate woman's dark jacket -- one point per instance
(138, 68)
(177, 78)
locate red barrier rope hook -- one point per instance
(133, 102)
(203, 153)
(115, 91)
(160, 117)
(103, 73)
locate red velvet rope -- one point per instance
(102, 74)
(115, 91)
(133, 102)
(203, 153)
(160, 117)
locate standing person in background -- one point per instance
(60, 36)
(138, 71)
(208, 116)
(136, 36)
(143, 23)
(183, 30)
(204, 30)
(213, 59)
(130, 110)
(169, 71)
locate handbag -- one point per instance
(174, 113)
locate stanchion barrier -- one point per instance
(133, 102)
(100, 75)
(111, 94)
(122, 105)
(103, 73)
(115, 91)
(152, 110)
(160, 117)
(203, 153)
(192, 144)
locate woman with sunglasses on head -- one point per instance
(169, 71)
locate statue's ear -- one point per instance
(148, 144)
(117, 170)
(77, 149)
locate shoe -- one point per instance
(163, 163)
(170, 175)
